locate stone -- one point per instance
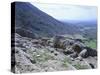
(91, 52)
(77, 48)
(58, 42)
(67, 52)
(83, 53)
(74, 55)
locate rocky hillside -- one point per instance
(51, 54)
(41, 43)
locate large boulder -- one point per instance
(62, 42)
(91, 52)
(58, 42)
(78, 47)
(83, 53)
(86, 52)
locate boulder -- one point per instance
(58, 42)
(86, 52)
(83, 53)
(91, 52)
(62, 42)
(77, 48)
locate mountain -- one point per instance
(87, 29)
(31, 22)
(46, 54)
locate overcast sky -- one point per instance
(69, 12)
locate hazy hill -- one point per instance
(32, 21)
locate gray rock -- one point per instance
(32, 56)
(83, 53)
(91, 52)
(77, 48)
(74, 55)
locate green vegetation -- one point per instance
(65, 62)
(42, 57)
(91, 43)
(79, 66)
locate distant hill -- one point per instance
(30, 21)
(87, 29)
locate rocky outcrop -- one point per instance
(51, 54)
(74, 47)
(86, 52)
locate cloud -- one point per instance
(69, 12)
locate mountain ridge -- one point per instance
(28, 17)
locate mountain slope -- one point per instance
(31, 21)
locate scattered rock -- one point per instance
(43, 55)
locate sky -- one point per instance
(66, 12)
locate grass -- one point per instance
(79, 66)
(91, 43)
(42, 57)
(65, 62)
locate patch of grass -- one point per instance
(91, 43)
(42, 57)
(79, 66)
(65, 62)
(47, 56)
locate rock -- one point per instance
(91, 52)
(55, 54)
(62, 42)
(92, 66)
(51, 44)
(83, 53)
(87, 51)
(77, 48)
(79, 58)
(79, 40)
(52, 51)
(67, 52)
(58, 42)
(91, 60)
(41, 55)
(74, 55)
(34, 41)
(33, 61)
(45, 41)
